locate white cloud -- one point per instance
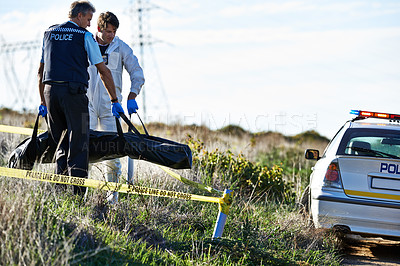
(265, 8)
(355, 8)
(284, 47)
(28, 26)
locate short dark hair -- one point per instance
(107, 18)
(80, 7)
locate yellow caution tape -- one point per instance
(124, 188)
(18, 130)
(189, 182)
(224, 202)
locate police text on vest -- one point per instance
(61, 37)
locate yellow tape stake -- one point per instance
(189, 182)
(18, 130)
(112, 186)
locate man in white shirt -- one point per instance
(116, 55)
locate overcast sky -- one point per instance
(286, 66)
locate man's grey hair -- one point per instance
(80, 7)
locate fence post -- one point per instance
(130, 171)
(224, 205)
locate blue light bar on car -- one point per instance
(355, 112)
(368, 114)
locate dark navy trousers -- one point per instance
(68, 117)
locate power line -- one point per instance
(139, 14)
(19, 46)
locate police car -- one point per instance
(355, 184)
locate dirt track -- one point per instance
(371, 251)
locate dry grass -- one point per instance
(29, 232)
(40, 225)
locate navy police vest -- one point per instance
(64, 54)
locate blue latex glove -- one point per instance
(116, 109)
(132, 106)
(43, 110)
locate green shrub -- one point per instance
(248, 178)
(294, 166)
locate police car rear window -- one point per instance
(371, 143)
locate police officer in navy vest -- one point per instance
(63, 79)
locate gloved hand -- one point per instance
(43, 110)
(132, 106)
(116, 109)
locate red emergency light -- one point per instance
(368, 114)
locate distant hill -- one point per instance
(309, 136)
(231, 137)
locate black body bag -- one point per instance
(105, 146)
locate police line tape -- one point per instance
(224, 202)
(29, 131)
(227, 198)
(189, 182)
(110, 186)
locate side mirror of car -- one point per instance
(312, 154)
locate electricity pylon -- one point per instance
(139, 13)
